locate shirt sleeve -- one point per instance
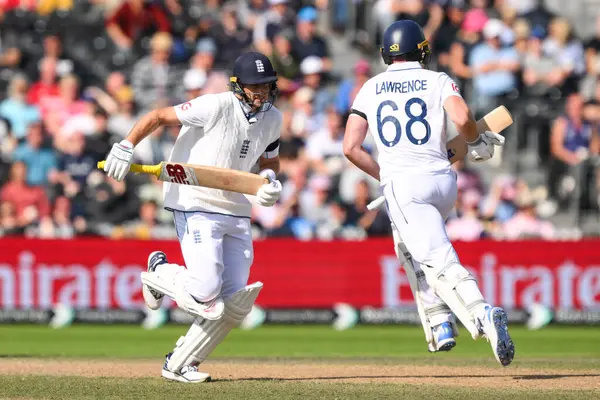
(199, 111)
(359, 106)
(449, 87)
(272, 149)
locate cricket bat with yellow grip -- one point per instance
(200, 175)
(496, 120)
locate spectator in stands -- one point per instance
(40, 161)
(312, 69)
(460, 51)
(499, 204)
(525, 224)
(61, 218)
(448, 33)
(250, 12)
(10, 54)
(111, 202)
(53, 48)
(194, 81)
(572, 141)
(132, 19)
(231, 38)
(9, 223)
(307, 42)
(494, 69)
(155, 82)
(305, 120)
(288, 68)
(324, 147)
(46, 86)
(592, 61)
(146, 226)
(277, 17)
(428, 14)
(57, 110)
(349, 88)
(375, 222)
(122, 121)
(591, 111)
(15, 108)
(30, 203)
(567, 53)
(314, 200)
(204, 59)
(467, 226)
(540, 72)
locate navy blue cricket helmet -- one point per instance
(405, 38)
(253, 68)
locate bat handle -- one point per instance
(137, 168)
(376, 203)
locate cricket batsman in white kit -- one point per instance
(404, 109)
(235, 130)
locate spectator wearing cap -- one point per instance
(277, 17)
(194, 81)
(15, 108)
(40, 161)
(540, 71)
(230, 37)
(494, 68)
(307, 43)
(204, 59)
(312, 69)
(467, 39)
(125, 24)
(155, 82)
(349, 88)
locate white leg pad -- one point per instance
(170, 280)
(204, 335)
(430, 310)
(445, 283)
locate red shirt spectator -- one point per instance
(46, 86)
(8, 5)
(30, 202)
(132, 17)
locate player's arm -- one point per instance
(150, 122)
(356, 131)
(461, 116)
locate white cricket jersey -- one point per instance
(217, 133)
(404, 110)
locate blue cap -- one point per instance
(538, 32)
(308, 14)
(206, 45)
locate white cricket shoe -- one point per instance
(152, 298)
(495, 327)
(187, 374)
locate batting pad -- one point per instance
(170, 280)
(204, 335)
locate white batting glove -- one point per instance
(482, 149)
(269, 193)
(118, 160)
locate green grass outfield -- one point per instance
(572, 349)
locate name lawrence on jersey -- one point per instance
(414, 85)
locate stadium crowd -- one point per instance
(75, 76)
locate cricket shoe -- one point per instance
(443, 337)
(187, 374)
(153, 298)
(495, 327)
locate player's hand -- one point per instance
(269, 193)
(118, 160)
(482, 149)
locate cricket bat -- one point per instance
(200, 175)
(496, 120)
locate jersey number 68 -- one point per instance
(413, 119)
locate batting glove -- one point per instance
(482, 149)
(118, 161)
(269, 193)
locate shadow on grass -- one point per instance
(333, 378)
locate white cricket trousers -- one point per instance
(418, 206)
(218, 253)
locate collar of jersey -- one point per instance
(405, 65)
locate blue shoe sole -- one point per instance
(505, 347)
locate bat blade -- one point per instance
(212, 177)
(496, 120)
